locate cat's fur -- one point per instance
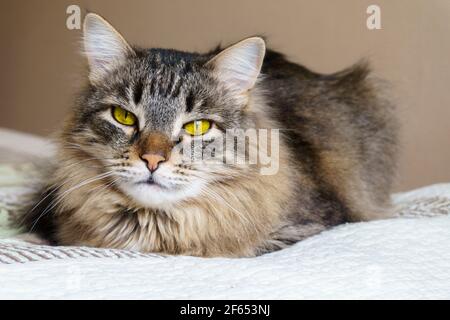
(336, 164)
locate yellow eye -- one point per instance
(123, 116)
(197, 127)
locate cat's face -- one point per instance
(153, 117)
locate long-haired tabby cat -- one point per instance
(119, 179)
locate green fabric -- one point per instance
(14, 179)
(5, 230)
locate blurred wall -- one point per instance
(40, 65)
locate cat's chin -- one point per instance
(153, 195)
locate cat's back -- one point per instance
(340, 127)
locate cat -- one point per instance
(120, 180)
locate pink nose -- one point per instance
(152, 160)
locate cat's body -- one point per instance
(336, 159)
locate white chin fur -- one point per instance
(155, 196)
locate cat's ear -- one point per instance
(103, 46)
(238, 66)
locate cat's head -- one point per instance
(148, 113)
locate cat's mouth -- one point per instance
(149, 181)
(159, 191)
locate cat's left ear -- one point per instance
(238, 66)
(103, 46)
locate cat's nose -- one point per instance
(153, 160)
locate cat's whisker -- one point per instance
(118, 165)
(42, 200)
(72, 148)
(55, 203)
(101, 188)
(64, 194)
(74, 145)
(78, 162)
(55, 188)
(220, 198)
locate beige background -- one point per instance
(40, 65)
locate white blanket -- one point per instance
(401, 258)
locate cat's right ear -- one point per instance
(238, 66)
(103, 46)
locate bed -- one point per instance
(407, 257)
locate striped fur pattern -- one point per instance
(336, 154)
